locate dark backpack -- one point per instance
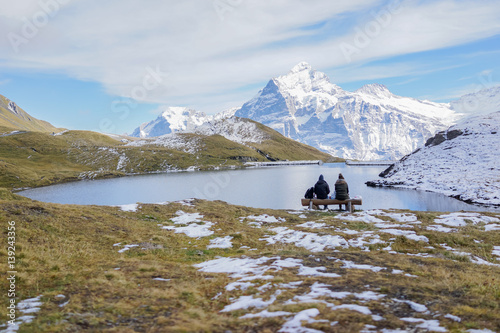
(309, 193)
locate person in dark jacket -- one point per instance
(322, 189)
(341, 189)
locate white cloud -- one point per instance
(205, 51)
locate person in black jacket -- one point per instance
(341, 189)
(322, 189)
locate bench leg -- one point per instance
(310, 204)
(349, 207)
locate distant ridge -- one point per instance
(15, 118)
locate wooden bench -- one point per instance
(349, 204)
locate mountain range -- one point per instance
(370, 123)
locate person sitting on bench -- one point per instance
(341, 190)
(322, 189)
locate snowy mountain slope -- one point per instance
(173, 119)
(484, 101)
(370, 123)
(184, 120)
(461, 162)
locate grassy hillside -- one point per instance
(102, 269)
(37, 158)
(15, 118)
(278, 146)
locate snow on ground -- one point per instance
(496, 251)
(187, 144)
(27, 308)
(221, 243)
(129, 207)
(260, 291)
(193, 230)
(308, 240)
(193, 226)
(460, 219)
(464, 166)
(125, 247)
(258, 221)
(257, 276)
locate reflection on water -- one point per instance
(272, 187)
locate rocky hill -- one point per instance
(13, 117)
(461, 162)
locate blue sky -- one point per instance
(110, 66)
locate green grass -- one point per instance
(37, 159)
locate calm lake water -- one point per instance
(268, 187)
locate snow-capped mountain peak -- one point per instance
(301, 66)
(370, 123)
(303, 79)
(183, 120)
(375, 89)
(173, 119)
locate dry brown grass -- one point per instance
(68, 249)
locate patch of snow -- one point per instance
(246, 302)
(452, 317)
(221, 243)
(496, 251)
(440, 228)
(406, 233)
(460, 219)
(351, 265)
(266, 314)
(353, 307)
(415, 306)
(430, 325)
(27, 307)
(127, 247)
(312, 225)
(294, 325)
(129, 207)
(310, 241)
(264, 218)
(193, 230)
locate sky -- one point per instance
(112, 65)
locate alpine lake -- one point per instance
(276, 187)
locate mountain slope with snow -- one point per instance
(484, 101)
(368, 124)
(461, 162)
(184, 120)
(173, 119)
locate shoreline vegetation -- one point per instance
(203, 266)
